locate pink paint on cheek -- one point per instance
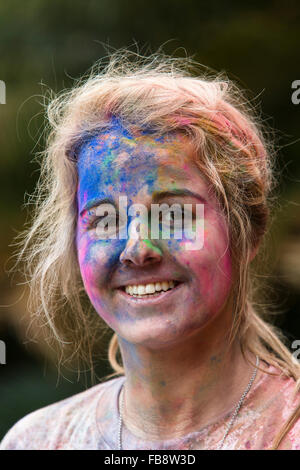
(88, 276)
(86, 266)
(82, 248)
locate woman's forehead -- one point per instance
(116, 156)
(120, 148)
(117, 161)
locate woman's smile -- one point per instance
(159, 295)
(149, 290)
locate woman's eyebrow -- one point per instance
(158, 195)
(96, 202)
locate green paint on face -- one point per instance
(149, 244)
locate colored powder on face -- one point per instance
(149, 244)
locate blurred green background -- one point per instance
(50, 43)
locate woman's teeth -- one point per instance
(149, 289)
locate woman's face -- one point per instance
(148, 170)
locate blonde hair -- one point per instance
(160, 93)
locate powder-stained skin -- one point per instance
(113, 165)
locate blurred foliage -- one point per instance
(49, 43)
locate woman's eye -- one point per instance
(109, 220)
(176, 217)
(172, 219)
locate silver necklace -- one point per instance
(237, 409)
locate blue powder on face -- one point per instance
(96, 162)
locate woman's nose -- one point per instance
(140, 252)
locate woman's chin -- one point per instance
(159, 335)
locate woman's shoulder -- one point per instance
(270, 405)
(285, 398)
(52, 426)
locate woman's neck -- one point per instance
(174, 391)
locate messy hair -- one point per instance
(233, 153)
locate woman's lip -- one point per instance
(150, 300)
(146, 281)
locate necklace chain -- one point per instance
(229, 426)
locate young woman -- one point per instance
(201, 368)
